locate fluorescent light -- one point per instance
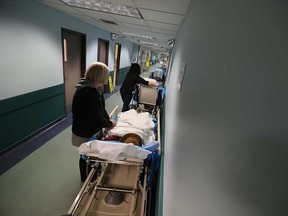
(109, 7)
(148, 43)
(141, 36)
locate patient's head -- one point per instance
(132, 138)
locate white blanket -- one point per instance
(108, 150)
(133, 122)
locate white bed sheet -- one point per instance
(133, 122)
(109, 150)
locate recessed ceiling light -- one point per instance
(109, 7)
(141, 36)
(148, 43)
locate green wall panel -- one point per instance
(23, 115)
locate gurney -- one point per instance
(118, 186)
(113, 189)
(146, 99)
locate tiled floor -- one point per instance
(46, 182)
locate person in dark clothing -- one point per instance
(88, 108)
(132, 78)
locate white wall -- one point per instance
(135, 53)
(31, 48)
(226, 132)
(126, 54)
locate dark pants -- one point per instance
(126, 101)
(83, 169)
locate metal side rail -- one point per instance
(119, 188)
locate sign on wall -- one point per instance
(181, 75)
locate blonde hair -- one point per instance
(97, 71)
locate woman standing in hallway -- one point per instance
(132, 78)
(88, 108)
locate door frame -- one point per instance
(106, 42)
(117, 56)
(82, 57)
(106, 45)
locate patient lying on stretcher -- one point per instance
(130, 121)
(133, 137)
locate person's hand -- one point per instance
(113, 124)
(153, 83)
(157, 84)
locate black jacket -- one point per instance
(88, 110)
(129, 83)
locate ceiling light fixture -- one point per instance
(148, 43)
(109, 7)
(141, 36)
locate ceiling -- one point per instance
(158, 20)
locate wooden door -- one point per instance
(103, 51)
(74, 46)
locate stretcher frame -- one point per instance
(100, 168)
(146, 98)
(93, 186)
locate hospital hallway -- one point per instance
(47, 181)
(223, 121)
